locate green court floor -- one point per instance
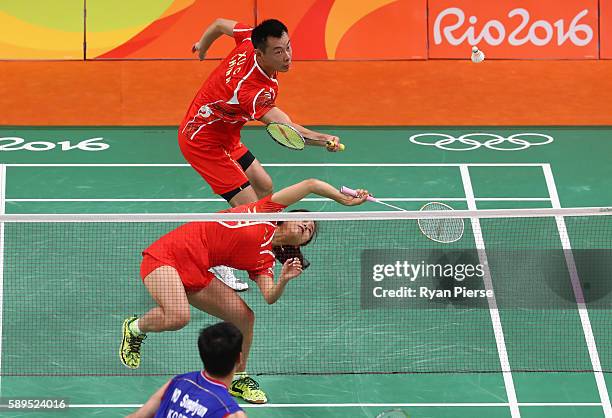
(140, 170)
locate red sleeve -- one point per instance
(241, 32)
(256, 101)
(267, 205)
(265, 270)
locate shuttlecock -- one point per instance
(477, 55)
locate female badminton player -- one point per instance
(174, 270)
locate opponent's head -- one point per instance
(220, 347)
(272, 45)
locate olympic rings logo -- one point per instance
(496, 142)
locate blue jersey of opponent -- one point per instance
(196, 395)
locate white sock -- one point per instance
(133, 326)
(239, 375)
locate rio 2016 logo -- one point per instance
(15, 143)
(538, 33)
(468, 142)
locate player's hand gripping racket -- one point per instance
(289, 137)
(350, 192)
(445, 230)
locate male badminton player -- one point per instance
(242, 88)
(175, 268)
(202, 392)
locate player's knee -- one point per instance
(177, 320)
(265, 186)
(267, 190)
(248, 318)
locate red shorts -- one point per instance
(193, 278)
(216, 164)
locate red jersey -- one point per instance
(237, 91)
(195, 247)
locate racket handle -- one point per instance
(341, 147)
(350, 192)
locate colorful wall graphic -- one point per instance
(320, 29)
(348, 29)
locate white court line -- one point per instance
(512, 199)
(311, 199)
(294, 165)
(404, 165)
(373, 405)
(495, 319)
(2, 212)
(575, 279)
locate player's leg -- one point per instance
(225, 170)
(216, 166)
(241, 196)
(258, 177)
(171, 313)
(242, 157)
(220, 301)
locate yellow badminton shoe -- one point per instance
(248, 389)
(130, 345)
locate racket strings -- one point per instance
(444, 230)
(286, 135)
(283, 131)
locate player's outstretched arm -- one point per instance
(150, 407)
(293, 194)
(271, 291)
(215, 30)
(314, 138)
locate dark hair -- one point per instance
(284, 252)
(270, 27)
(220, 346)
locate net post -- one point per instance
(578, 294)
(495, 318)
